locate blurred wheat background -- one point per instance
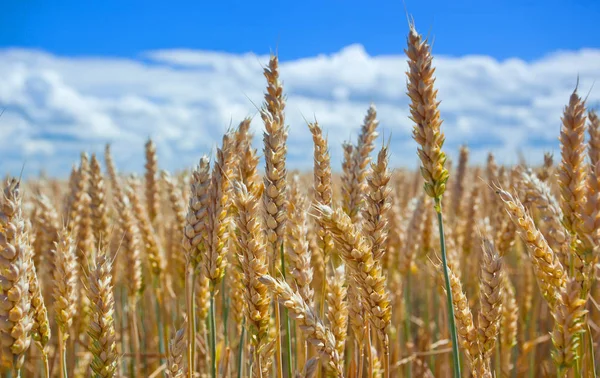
(247, 263)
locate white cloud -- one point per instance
(185, 99)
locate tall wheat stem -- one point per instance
(124, 327)
(453, 335)
(288, 335)
(279, 359)
(46, 366)
(407, 311)
(159, 318)
(386, 357)
(592, 356)
(135, 336)
(369, 349)
(63, 355)
(191, 314)
(213, 335)
(241, 349)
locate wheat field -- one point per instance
(240, 267)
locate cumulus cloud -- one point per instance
(57, 106)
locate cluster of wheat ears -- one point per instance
(222, 272)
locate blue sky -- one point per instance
(75, 75)
(527, 29)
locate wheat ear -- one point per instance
(337, 309)
(253, 263)
(298, 253)
(15, 260)
(151, 179)
(549, 271)
(102, 328)
(99, 209)
(377, 204)
(366, 271)
(65, 291)
(490, 299)
(316, 332)
(569, 324)
(177, 345)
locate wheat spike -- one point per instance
(464, 320)
(490, 299)
(196, 230)
(571, 171)
(102, 328)
(151, 179)
(323, 189)
(350, 184)
(508, 326)
(253, 263)
(546, 170)
(298, 253)
(363, 150)
(549, 271)
(148, 236)
(214, 259)
(40, 331)
(569, 324)
(537, 194)
(425, 114)
(112, 173)
(177, 345)
(130, 247)
(99, 210)
(316, 332)
(459, 184)
(337, 306)
(377, 205)
(365, 269)
(65, 282)
(15, 260)
(275, 150)
(80, 215)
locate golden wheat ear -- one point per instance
(102, 323)
(317, 333)
(15, 265)
(177, 345)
